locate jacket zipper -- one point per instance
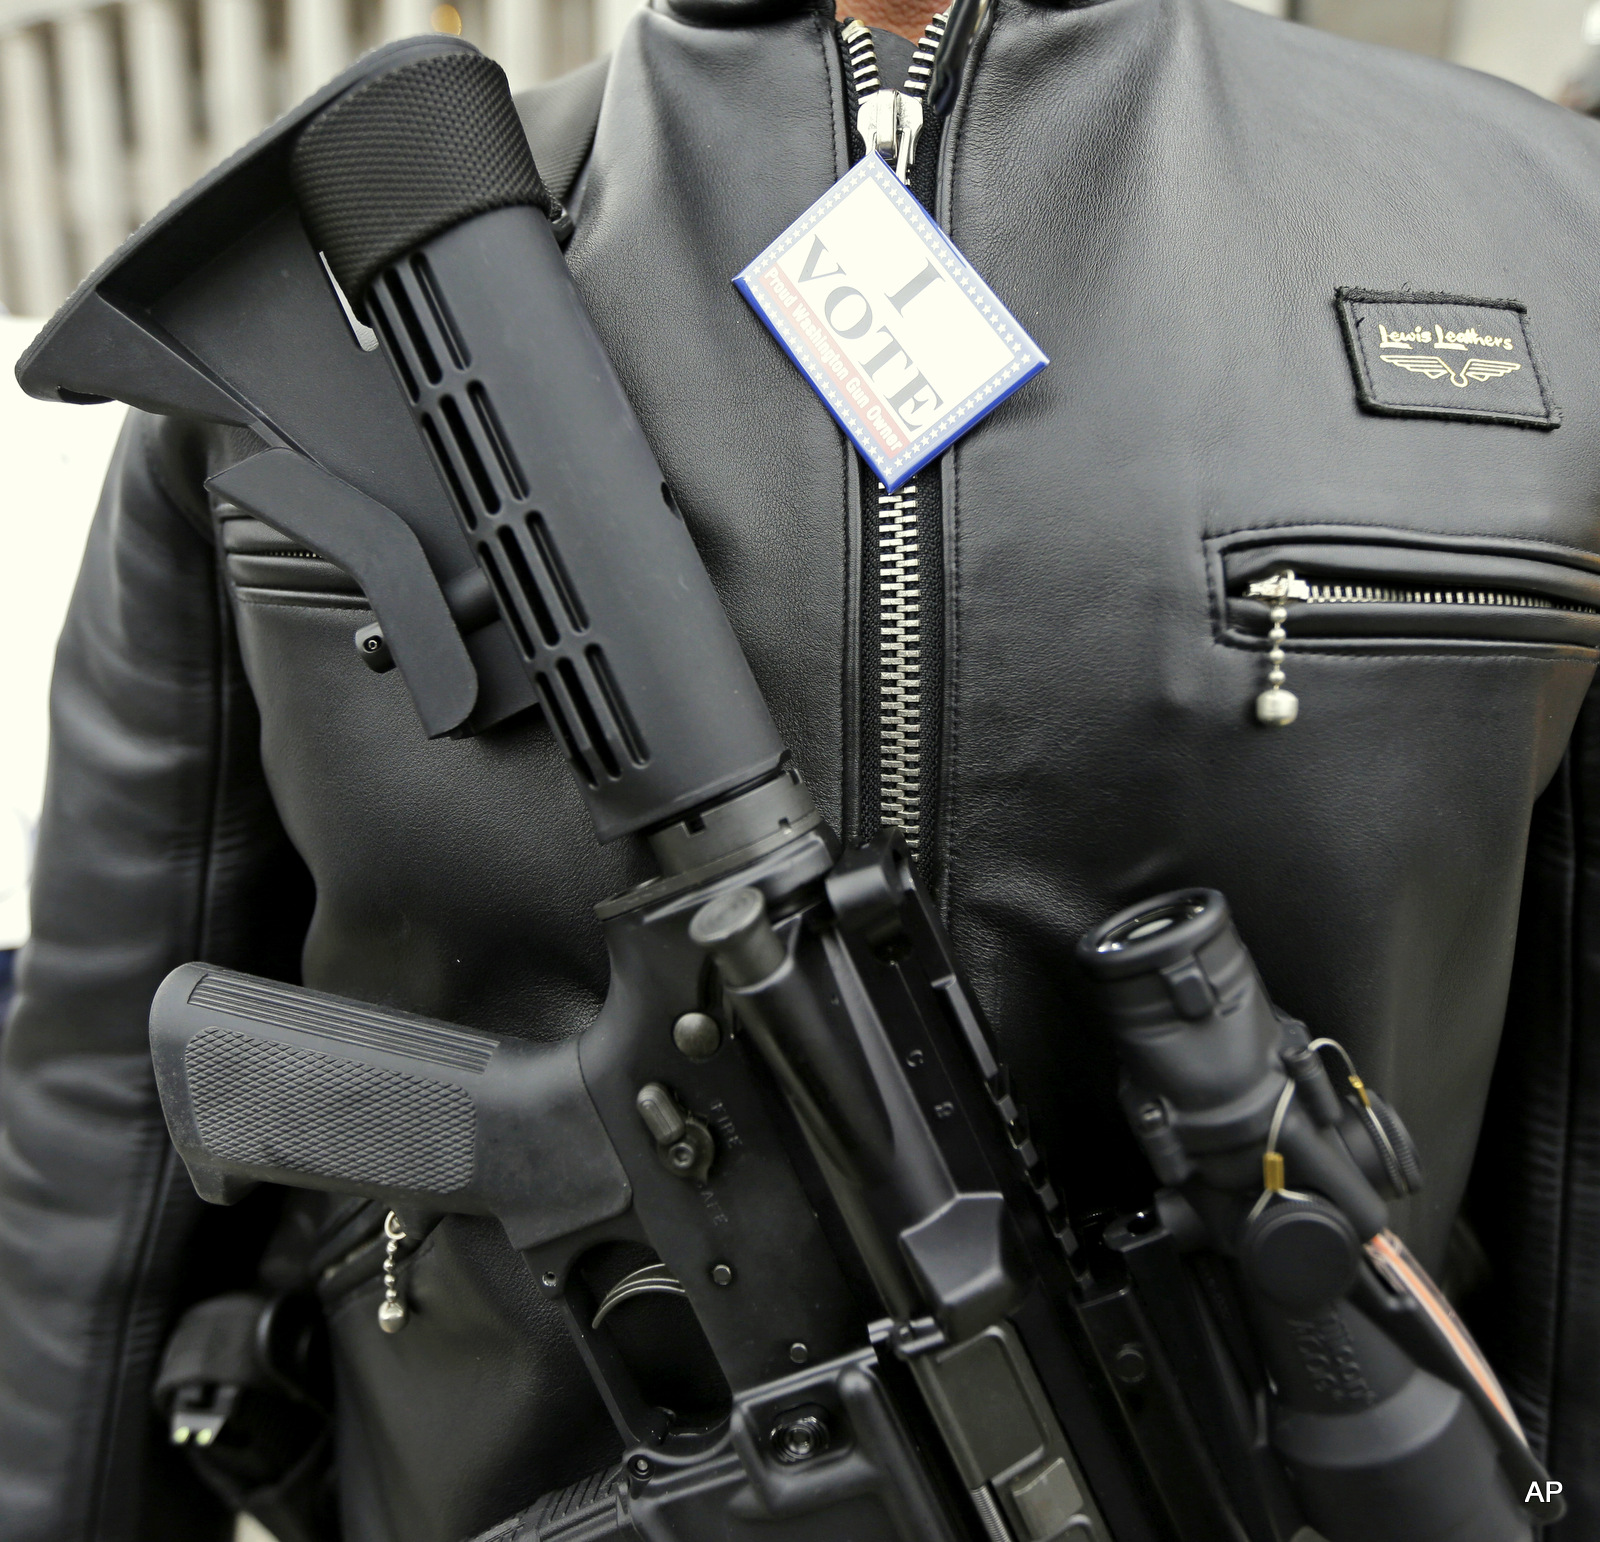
(889, 122)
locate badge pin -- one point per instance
(897, 333)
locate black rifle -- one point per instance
(790, 1104)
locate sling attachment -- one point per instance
(237, 1388)
(208, 1362)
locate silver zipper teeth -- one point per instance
(922, 60)
(1373, 594)
(899, 562)
(899, 663)
(900, 675)
(863, 58)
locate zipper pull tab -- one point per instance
(1275, 706)
(889, 122)
(908, 110)
(876, 121)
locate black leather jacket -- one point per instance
(1168, 194)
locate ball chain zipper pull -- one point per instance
(392, 1313)
(1275, 706)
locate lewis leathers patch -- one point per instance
(1445, 356)
(903, 341)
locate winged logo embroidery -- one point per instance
(1436, 369)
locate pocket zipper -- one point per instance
(1293, 588)
(1278, 707)
(266, 567)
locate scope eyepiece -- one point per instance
(1154, 934)
(1192, 1021)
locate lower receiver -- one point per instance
(893, 1363)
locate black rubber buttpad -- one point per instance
(406, 157)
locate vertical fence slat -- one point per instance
(571, 27)
(97, 181)
(233, 67)
(159, 85)
(32, 188)
(63, 207)
(406, 18)
(517, 39)
(319, 44)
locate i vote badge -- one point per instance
(901, 339)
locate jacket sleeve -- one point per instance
(1534, 1199)
(159, 844)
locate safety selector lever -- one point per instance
(682, 1141)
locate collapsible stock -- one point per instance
(418, 187)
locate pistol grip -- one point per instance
(262, 1081)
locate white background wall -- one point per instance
(1537, 43)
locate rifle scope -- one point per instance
(1390, 1424)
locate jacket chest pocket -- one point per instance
(266, 568)
(1389, 591)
